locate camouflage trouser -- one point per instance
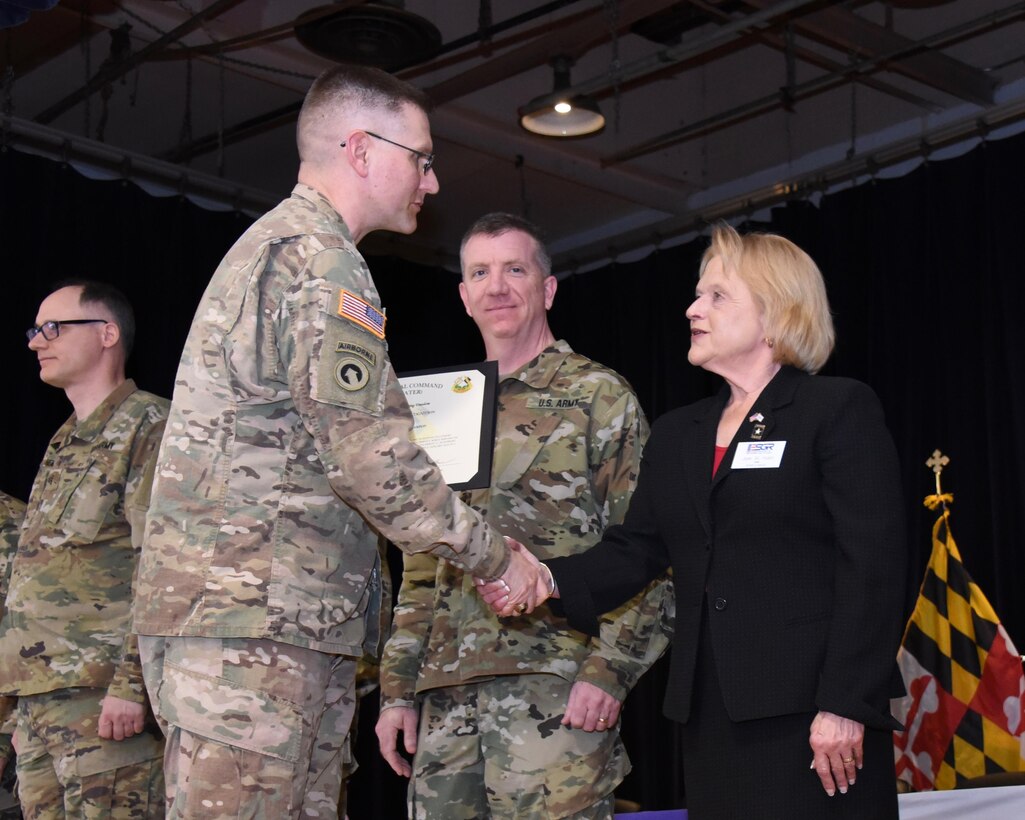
(255, 728)
(66, 770)
(496, 749)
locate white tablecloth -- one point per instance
(1001, 803)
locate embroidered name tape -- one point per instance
(550, 403)
(361, 312)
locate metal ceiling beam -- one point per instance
(45, 36)
(794, 188)
(256, 38)
(583, 32)
(811, 57)
(462, 127)
(287, 113)
(111, 73)
(43, 140)
(656, 64)
(843, 30)
(816, 86)
(572, 39)
(251, 127)
(446, 57)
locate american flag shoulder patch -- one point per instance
(361, 312)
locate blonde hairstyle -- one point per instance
(788, 288)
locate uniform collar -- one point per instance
(323, 207)
(539, 371)
(92, 425)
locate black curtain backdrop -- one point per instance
(925, 276)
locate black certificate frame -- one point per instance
(481, 478)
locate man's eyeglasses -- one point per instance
(51, 330)
(427, 158)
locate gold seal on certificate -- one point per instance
(454, 419)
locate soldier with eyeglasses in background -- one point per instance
(87, 743)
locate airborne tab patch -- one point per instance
(357, 349)
(361, 312)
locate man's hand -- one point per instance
(120, 719)
(837, 744)
(392, 721)
(590, 708)
(520, 588)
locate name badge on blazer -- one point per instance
(758, 455)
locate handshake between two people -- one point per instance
(525, 584)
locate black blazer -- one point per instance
(799, 569)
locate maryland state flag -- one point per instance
(963, 712)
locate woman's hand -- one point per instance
(497, 595)
(837, 744)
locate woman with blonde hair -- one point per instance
(777, 503)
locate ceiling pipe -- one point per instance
(800, 186)
(108, 75)
(685, 51)
(805, 89)
(287, 113)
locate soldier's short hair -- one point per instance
(95, 292)
(355, 87)
(498, 223)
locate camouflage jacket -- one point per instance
(567, 452)
(68, 619)
(12, 513)
(285, 402)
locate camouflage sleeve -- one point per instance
(8, 720)
(344, 387)
(12, 513)
(411, 627)
(632, 637)
(127, 682)
(368, 667)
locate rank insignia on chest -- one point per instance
(361, 312)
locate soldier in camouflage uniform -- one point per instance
(518, 718)
(87, 745)
(288, 445)
(12, 513)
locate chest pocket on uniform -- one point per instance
(515, 454)
(85, 494)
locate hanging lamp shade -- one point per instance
(557, 115)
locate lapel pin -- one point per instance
(756, 417)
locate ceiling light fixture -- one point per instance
(562, 115)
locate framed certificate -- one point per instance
(454, 419)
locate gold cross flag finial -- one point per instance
(937, 461)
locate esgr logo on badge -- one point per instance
(758, 455)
